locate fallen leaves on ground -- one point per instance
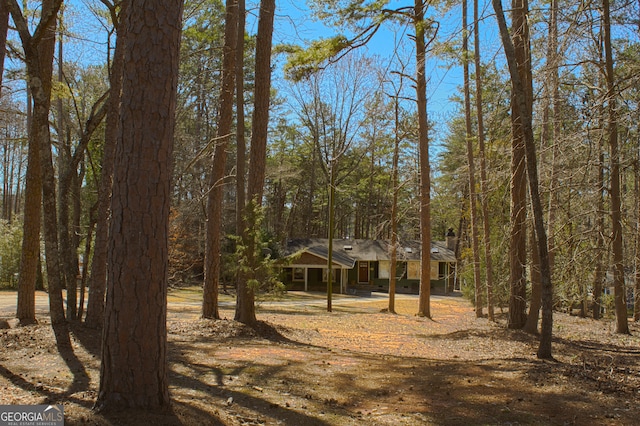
(357, 365)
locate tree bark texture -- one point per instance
(98, 278)
(520, 97)
(41, 107)
(241, 146)
(622, 325)
(548, 120)
(133, 373)
(394, 208)
(38, 52)
(424, 304)
(30, 253)
(475, 246)
(245, 302)
(518, 238)
(215, 200)
(484, 191)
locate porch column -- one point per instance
(306, 278)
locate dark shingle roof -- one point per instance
(347, 251)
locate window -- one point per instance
(442, 270)
(384, 267)
(434, 270)
(298, 274)
(413, 271)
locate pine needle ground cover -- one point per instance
(357, 365)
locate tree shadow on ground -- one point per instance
(278, 379)
(211, 379)
(497, 333)
(80, 380)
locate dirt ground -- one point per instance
(354, 366)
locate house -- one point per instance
(361, 265)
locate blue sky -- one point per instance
(295, 25)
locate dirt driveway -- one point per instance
(357, 365)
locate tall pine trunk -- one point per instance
(215, 199)
(520, 97)
(483, 165)
(424, 304)
(30, 253)
(518, 246)
(477, 279)
(622, 325)
(241, 145)
(394, 207)
(245, 302)
(134, 370)
(551, 88)
(38, 54)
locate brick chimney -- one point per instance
(451, 239)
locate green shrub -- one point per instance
(10, 249)
(260, 267)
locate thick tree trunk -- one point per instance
(518, 246)
(245, 302)
(215, 200)
(38, 52)
(30, 254)
(134, 371)
(424, 304)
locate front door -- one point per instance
(363, 272)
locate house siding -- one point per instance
(315, 280)
(352, 254)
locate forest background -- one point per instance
(358, 97)
(346, 141)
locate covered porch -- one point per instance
(308, 270)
